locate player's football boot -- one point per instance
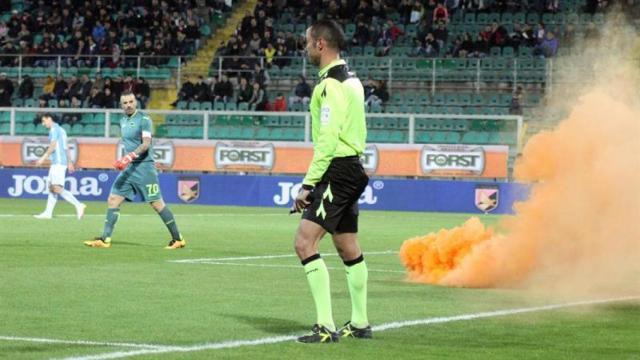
(176, 244)
(99, 242)
(350, 331)
(319, 334)
(80, 211)
(43, 216)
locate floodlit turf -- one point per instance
(53, 287)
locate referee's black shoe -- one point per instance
(351, 331)
(319, 334)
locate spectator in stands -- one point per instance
(99, 82)
(60, 87)
(515, 107)
(244, 91)
(109, 100)
(302, 92)
(26, 88)
(186, 92)
(6, 85)
(201, 91)
(269, 52)
(96, 98)
(47, 87)
(417, 13)
(441, 34)
(417, 50)
(498, 35)
(540, 32)
(223, 90)
(480, 47)
(74, 88)
(86, 87)
(440, 13)
(142, 92)
(281, 59)
(431, 46)
(280, 103)
(548, 47)
(260, 75)
(259, 100)
(376, 93)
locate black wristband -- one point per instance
(307, 187)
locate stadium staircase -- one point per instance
(161, 98)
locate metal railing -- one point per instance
(57, 64)
(110, 116)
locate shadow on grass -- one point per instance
(270, 324)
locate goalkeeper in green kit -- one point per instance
(333, 184)
(138, 176)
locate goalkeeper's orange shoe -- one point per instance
(176, 244)
(99, 242)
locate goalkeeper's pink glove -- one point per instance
(122, 163)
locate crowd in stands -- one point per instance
(114, 29)
(75, 92)
(251, 90)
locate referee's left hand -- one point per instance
(301, 201)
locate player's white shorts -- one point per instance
(57, 174)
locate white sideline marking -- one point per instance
(383, 327)
(145, 215)
(284, 266)
(84, 342)
(260, 257)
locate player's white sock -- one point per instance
(51, 203)
(67, 195)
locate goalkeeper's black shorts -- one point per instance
(334, 200)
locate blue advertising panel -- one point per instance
(279, 191)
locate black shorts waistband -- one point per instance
(346, 159)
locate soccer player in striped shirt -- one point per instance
(60, 156)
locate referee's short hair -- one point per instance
(331, 32)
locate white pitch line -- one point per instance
(383, 327)
(145, 215)
(85, 342)
(284, 266)
(277, 256)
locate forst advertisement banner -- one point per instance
(462, 161)
(33, 148)
(163, 153)
(244, 156)
(456, 160)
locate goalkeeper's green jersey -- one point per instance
(337, 118)
(133, 128)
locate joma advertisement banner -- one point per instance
(278, 191)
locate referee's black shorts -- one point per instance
(334, 200)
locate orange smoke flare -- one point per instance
(579, 229)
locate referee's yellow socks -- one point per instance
(318, 278)
(357, 275)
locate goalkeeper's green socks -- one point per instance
(167, 217)
(110, 222)
(318, 277)
(357, 281)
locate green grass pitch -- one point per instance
(54, 288)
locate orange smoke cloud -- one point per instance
(580, 228)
